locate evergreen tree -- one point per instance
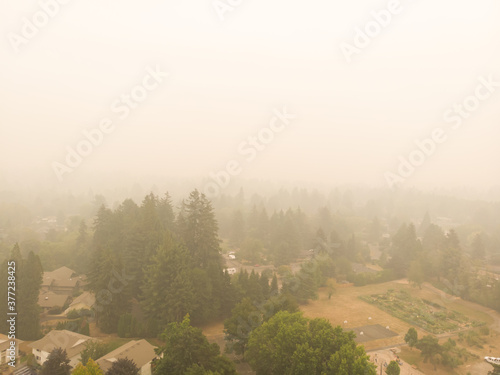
(83, 236)
(198, 229)
(424, 224)
(274, 286)
(168, 290)
(411, 337)
(29, 284)
(123, 366)
(229, 295)
(111, 302)
(264, 284)
(166, 213)
(254, 291)
(57, 363)
(25, 278)
(405, 248)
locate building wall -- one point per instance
(73, 361)
(146, 369)
(40, 356)
(4, 354)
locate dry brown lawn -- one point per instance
(345, 305)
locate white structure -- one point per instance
(232, 256)
(73, 343)
(231, 271)
(5, 349)
(141, 352)
(492, 360)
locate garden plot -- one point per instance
(430, 316)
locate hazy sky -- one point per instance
(353, 119)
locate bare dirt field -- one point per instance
(349, 312)
(372, 332)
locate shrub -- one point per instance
(485, 331)
(55, 310)
(73, 314)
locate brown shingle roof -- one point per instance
(5, 342)
(51, 299)
(86, 298)
(72, 342)
(141, 352)
(60, 277)
(61, 273)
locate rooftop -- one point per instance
(72, 342)
(141, 352)
(51, 299)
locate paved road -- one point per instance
(379, 357)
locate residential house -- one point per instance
(5, 348)
(61, 281)
(139, 351)
(73, 343)
(84, 301)
(51, 300)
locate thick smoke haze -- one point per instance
(354, 114)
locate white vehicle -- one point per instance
(492, 361)
(231, 271)
(231, 256)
